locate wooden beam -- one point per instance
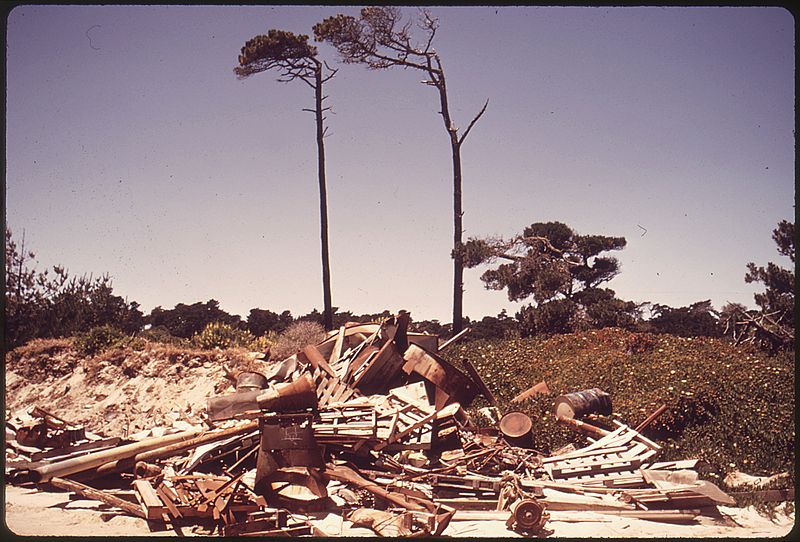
(478, 381)
(102, 496)
(151, 503)
(453, 339)
(651, 418)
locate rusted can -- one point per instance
(517, 429)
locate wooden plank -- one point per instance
(478, 381)
(151, 503)
(327, 391)
(638, 436)
(406, 431)
(295, 530)
(585, 452)
(470, 504)
(360, 362)
(98, 495)
(541, 387)
(169, 501)
(337, 348)
(380, 370)
(675, 465)
(597, 445)
(593, 470)
(453, 339)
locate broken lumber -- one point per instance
(582, 427)
(651, 418)
(453, 339)
(541, 387)
(348, 475)
(151, 504)
(102, 496)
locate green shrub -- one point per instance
(99, 339)
(221, 335)
(264, 343)
(296, 337)
(161, 334)
(731, 406)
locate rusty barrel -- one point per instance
(517, 429)
(580, 403)
(249, 381)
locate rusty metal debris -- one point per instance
(368, 424)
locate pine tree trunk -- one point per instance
(458, 261)
(327, 314)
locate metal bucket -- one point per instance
(517, 429)
(248, 381)
(580, 403)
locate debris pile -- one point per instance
(369, 425)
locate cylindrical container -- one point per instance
(580, 403)
(248, 381)
(292, 396)
(516, 428)
(146, 470)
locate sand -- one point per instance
(30, 512)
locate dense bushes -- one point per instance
(186, 321)
(296, 336)
(730, 406)
(221, 335)
(52, 305)
(98, 339)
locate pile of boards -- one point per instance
(368, 424)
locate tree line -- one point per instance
(561, 272)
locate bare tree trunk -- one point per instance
(458, 260)
(327, 314)
(455, 145)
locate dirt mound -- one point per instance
(41, 358)
(122, 391)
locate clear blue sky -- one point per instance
(133, 149)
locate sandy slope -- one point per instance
(116, 397)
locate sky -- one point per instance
(132, 149)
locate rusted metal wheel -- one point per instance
(529, 515)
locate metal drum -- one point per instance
(580, 403)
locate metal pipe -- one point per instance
(66, 467)
(129, 463)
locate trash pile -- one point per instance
(369, 425)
